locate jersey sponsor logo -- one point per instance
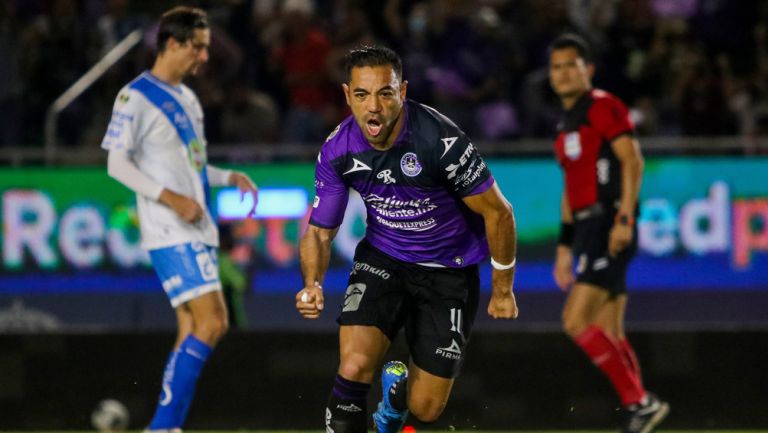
(124, 98)
(117, 123)
(451, 352)
(357, 166)
(414, 226)
(391, 207)
(572, 145)
(365, 267)
(448, 143)
(353, 296)
(410, 164)
(386, 176)
(319, 184)
(468, 177)
(197, 154)
(454, 168)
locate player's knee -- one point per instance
(213, 328)
(221, 326)
(358, 368)
(426, 410)
(574, 325)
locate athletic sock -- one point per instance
(630, 357)
(179, 380)
(347, 407)
(398, 394)
(607, 356)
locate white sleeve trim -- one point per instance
(121, 168)
(218, 176)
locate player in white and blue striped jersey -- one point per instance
(157, 148)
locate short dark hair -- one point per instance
(180, 23)
(572, 40)
(372, 56)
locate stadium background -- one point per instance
(81, 314)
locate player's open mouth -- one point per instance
(373, 127)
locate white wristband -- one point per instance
(500, 267)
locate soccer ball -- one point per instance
(110, 416)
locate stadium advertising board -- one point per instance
(703, 226)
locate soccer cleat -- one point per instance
(386, 419)
(643, 418)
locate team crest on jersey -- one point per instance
(197, 154)
(572, 145)
(410, 164)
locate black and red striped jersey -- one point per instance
(583, 148)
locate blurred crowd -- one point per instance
(685, 67)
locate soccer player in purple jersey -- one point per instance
(433, 213)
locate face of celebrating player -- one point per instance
(376, 96)
(190, 55)
(569, 75)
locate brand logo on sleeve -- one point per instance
(448, 143)
(453, 168)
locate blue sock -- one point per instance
(179, 380)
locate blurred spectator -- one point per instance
(116, 24)
(213, 80)
(58, 47)
(684, 67)
(302, 58)
(702, 101)
(411, 27)
(10, 80)
(249, 117)
(469, 52)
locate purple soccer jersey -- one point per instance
(412, 191)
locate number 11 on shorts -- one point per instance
(456, 320)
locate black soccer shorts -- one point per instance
(590, 251)
(437, 306)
